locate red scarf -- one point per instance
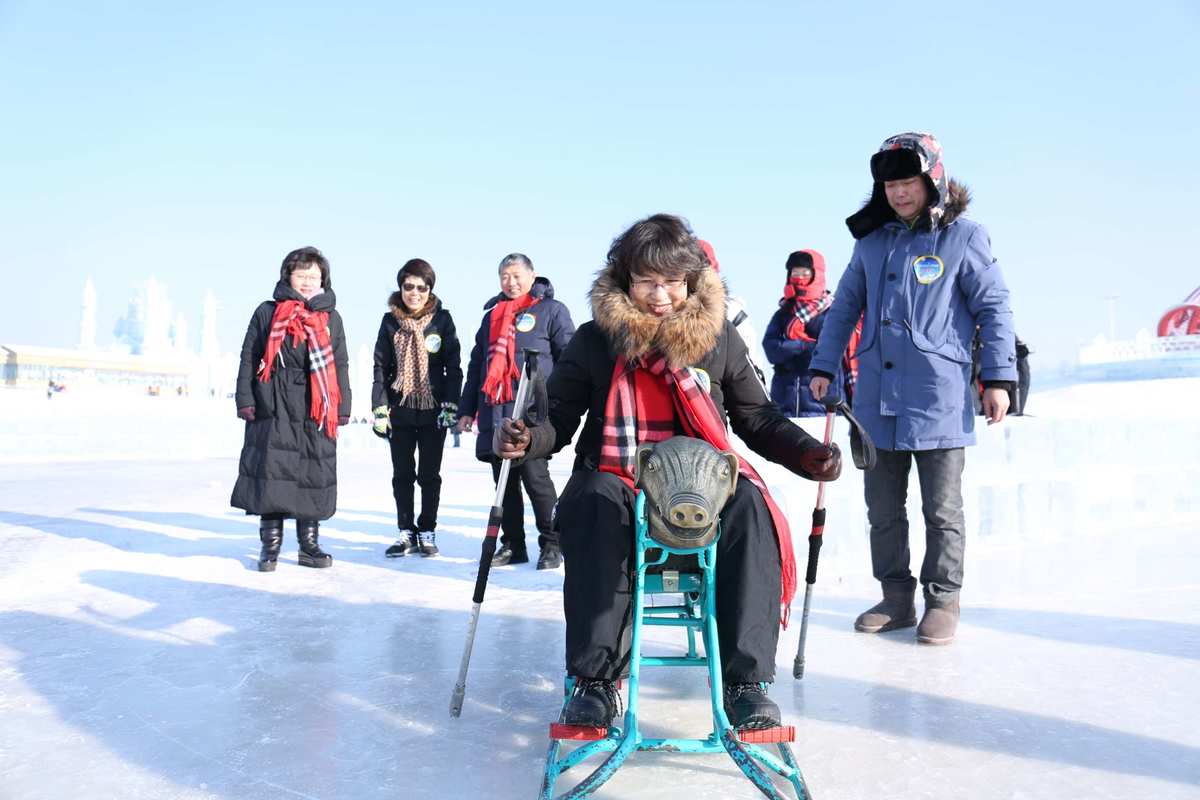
(294, 318)
(805, 309)
(502, 350)
(644, 401)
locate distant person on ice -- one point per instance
(418, 377)
(660, 358)
(293, 391)
(925, 277)
(791, 338)
(524, 314)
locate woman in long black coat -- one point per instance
(418, 378)
(293, 391)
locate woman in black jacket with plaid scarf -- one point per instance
(659, 357)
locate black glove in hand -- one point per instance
(511, 439)
(821, 462)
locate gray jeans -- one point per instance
(886, 490)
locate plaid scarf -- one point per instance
(804, 310)
(502, 350)
(293, 318)
(645, 399)
(412, 362)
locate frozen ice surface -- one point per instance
(142, 656)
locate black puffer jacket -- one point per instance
(287, 465)
(445, 363)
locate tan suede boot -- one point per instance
(896, 610)
(939, 622)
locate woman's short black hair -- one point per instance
(304, 258)
(663, 243)
(417, 268)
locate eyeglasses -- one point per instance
(415, 287)
(648, 285)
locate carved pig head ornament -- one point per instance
(687, 482)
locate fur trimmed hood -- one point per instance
(400, 311)
(683, 338)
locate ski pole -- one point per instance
(814, 543)
(489, 540)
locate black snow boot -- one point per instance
(510, 555)
(896, 610)
(593, 704)
(550, 557)
(311, 554)
(749, 708)
(270, 532)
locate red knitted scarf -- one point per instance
(502, 350)
(293, 318)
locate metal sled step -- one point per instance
(782, 733)
(577, 733)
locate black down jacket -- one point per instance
(287, 465)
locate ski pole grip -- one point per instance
(814, 552)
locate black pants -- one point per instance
(534, 473)
(428, 441)
(595, 521)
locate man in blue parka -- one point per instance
(523, 315)
(926, 279)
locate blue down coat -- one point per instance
(545, 327)
(924, 292)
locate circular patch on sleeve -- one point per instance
(526, 322)
(433, 343)
(928, 268)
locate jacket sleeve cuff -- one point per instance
(541, 441)
(820, 373)
(1006, 385)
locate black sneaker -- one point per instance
(749, 708)
(550, 557)
(510, 555)
(405, 544)
(593, 704)
(425, 543)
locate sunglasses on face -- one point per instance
(413, 287)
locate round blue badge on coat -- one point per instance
(525, 322)
(433, 343)
(928, 268)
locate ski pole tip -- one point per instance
(456, 702)
(798, 668)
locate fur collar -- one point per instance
(683, 338)
(957, 202)
(400, 311)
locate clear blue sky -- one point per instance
(200, 143)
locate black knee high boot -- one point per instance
(311, 554)
(270, 532)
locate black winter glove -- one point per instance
(821, 462)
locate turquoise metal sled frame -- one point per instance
(696, 613)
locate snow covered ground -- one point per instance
(142, 656)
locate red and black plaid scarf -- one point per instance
(502, 350)
(293, 318)
(805, 309)
(645, 399)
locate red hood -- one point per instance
(813, 290)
